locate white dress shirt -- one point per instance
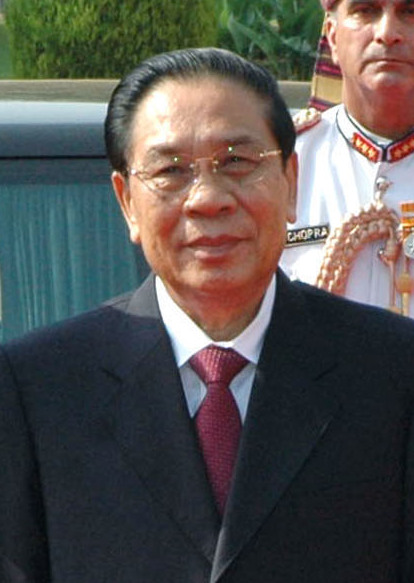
(187, 339)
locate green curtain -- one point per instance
(64, 249)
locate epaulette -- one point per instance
(305, 119)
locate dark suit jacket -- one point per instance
(102, 480)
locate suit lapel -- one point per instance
(149, 420)
(291, 406)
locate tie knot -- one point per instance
(217, 365)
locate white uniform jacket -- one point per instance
(335, 180)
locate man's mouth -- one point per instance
(215, 245)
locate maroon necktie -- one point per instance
(218, 419)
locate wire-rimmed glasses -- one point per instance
(171, 174)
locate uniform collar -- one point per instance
(358, 139)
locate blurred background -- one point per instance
(57, 39)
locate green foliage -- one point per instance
(102, 38)
(282, 34)
(6, 70)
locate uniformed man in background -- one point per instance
(353, 235)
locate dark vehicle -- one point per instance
(64, 247)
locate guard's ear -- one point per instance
(330, 31)
(291, 173)
(125, 199)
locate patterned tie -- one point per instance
(218, 419)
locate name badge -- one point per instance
(307, 235)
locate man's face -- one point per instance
(373, 42)
(217, 236)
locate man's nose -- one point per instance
(210, 194)
(388, 29)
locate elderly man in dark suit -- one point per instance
(220, 424)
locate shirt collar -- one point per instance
(373, 147)
(187, 338)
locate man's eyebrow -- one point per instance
(355, 2)
(171, 149)
(362, 2)
(352, 3)
(163, 149)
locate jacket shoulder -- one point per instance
(306, 119)
(79, 330)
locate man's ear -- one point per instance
(126, 202)
(291, 173)
(330, 31)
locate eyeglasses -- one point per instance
(239, 165)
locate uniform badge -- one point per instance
(307, 235)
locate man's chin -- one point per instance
(389, 77)
(220, 283)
